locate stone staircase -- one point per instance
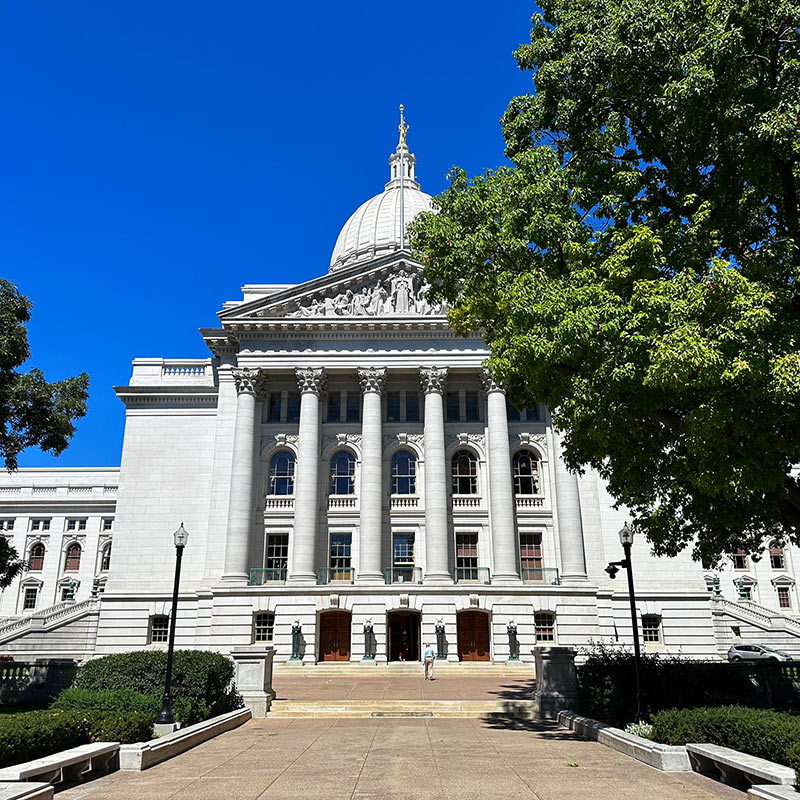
(756, 624)
(361, 669)
(481, 709)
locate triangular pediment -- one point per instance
(390, 287)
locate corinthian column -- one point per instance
(570, 523)
(437, 536)
(311, 381)
(240, 500)
(501, 490)
(373, 381)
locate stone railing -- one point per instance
(339, 502)
(279, 503)
(34, 681)
(524, 502)
(47, 616)
(404, 502)
(466, 502)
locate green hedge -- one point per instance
(34, 734)
(766, 734)
(200, 679)
(188, 711)
(607, 690)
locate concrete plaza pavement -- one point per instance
(394, 759)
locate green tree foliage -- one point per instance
(33, 412)
(635, 267)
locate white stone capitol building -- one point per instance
(345, 466)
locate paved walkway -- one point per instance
(403, 687)
(391, 759)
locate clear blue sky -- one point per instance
(157, 155)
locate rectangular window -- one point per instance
(263, 626)
(353, 407)
(403, 557)
(277, 552)
(340, 556)
(66, 593)
(412, 407)
(293, 407)
(532, 414)
(530, 552)
(651, 628)
(784, 600)
(6, 524)
(76, 524)
(334, 406)
(40, 524)
(29, 599)
(740, 560)
(453, 407)
(471, 407)
(745, 592)
(159, 629)
(107, 524)
(545, 625)
(512, 412)
(274, 407)
(467, 556)
(393, 407)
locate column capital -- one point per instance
(310, 379)
(489, 383)
(249, 381)
(433, 379)
(372, 379)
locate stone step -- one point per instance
(516, 709)
(356, 668)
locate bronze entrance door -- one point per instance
(334, 636)
(403, 636)
(473, 636)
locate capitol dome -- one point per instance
(378, 226)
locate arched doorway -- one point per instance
(403, 627)
(473, 636)
(334, 636)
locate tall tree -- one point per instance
(636, 266)
(33, 412)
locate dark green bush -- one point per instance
(201, 680)
(765, 734)
(34, 734)
(186, 710)
(607, 690)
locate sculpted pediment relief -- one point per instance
(402, 293)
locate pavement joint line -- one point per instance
(363, 763)
(298, 756)
(433, 757)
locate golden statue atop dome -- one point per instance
(402, 127)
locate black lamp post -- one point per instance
(165, 715)
(626, 539)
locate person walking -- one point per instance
(428, 657)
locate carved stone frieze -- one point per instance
(310, 379)
(466, 439)
(283, 438)
(433, 379)
(249, 381)
(342, 439)
(539, 439)
(401, 293)
(404, 438)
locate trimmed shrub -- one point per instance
(765, 734)
(607, 691)
(187, 711)
(34, 734)
(201, 680)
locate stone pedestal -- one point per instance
(556, 682)
(254, 677)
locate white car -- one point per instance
(756, 652)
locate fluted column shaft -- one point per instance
(437, 535)
(371, 489)
(501, 488)
(570, 523)
(240, 498)
(306, 481)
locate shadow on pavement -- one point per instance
(551, 730)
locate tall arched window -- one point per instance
(465, 473)
(404, 472)
(343, 473)
(526, 473)
(777, 560)
(72, 561)
(281, 473)
(36, 557)
(105, 558)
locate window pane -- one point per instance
(453, 409)
(293, 407)
(281, 473)
(544, 623)
(412, 407)
(263, 626)
(334, 406)
(465, 473)
(343, 470)
(512, 412)
(651, 628)
(275, 407)
(784, 600)
(471, 406)
(404, 472)
(36, 558)
(467, 556)
(353, 407)
(277, 554)
(403, 549)
(73, 559)
(340, 556)
(159, 629)
(29, 601)
(532, 414)
(526, 473)
(530, 551)
(393, 407)
(105, 560)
